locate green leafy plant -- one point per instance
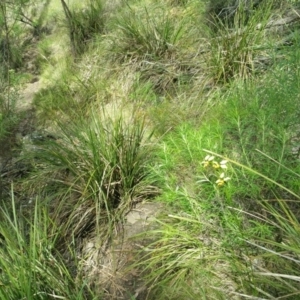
(264, 117)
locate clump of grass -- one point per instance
(146, 33)
(31, 267)
(186, 260)
(279, 275)
(96, 171)
(224, 11)
(84, 23)
(233, 48)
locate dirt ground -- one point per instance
(112, 268)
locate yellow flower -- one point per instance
(207, 161)
(222, 180)
(215, 165)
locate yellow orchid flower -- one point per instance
(222, 180)
(208, 160)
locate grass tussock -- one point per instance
(83, 23)
(235, 46)
(148, 32)
(31, 266)
(99, 171)
(185, 251)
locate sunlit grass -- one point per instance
(31, 266)
(249, 209)
(275, 269)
